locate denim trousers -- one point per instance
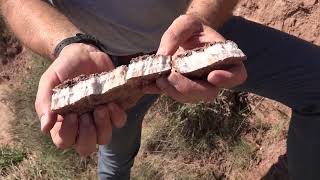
(281, 67)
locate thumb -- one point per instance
(43, 100)
(183, 28)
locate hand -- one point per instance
(89, 129)
(188, 32)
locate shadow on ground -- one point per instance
(279, 170)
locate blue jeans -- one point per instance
(280, 67)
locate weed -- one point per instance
(10, 157)
(198, 125)
(146, 171)
(243, 153)
(199, 133)
(44, 161)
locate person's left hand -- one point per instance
(188, 32)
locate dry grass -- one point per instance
(196, 141)
(10, 157)
(42, 160)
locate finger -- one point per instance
(65, 130)
(178, 32)
(102, 60)
(230, 78)
(43, 100)
(103, 124)
(169, 90)
(131, 99)
(87, 136)
(204, 91)
(118, 115)
(151, 89)
(194, 90)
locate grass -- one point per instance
(147, 171)
(201, 136)
(199, 126)
(9, 157)
(43, 160)
(243, 153)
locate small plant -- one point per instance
(10, 157)
(201, 123)
(243, 154)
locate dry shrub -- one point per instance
(200, 127)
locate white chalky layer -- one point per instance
(103, 83)
(212, 54)
(112, 80)
(93, 85)
(149, 66)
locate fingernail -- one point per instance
(162, 51)
(123, 121)
(43, 122)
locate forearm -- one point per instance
(213, 12)
(38, 25)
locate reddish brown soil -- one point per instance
(298, 18)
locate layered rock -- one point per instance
(85, 92)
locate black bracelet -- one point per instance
(81, 38)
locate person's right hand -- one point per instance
(89, 129)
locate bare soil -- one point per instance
(298, 18)
(5, 117)
(12, 63)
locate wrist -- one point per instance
(198, 17)
(78, 38)
(82, 39)
(77, 47)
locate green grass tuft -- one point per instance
(10, 157)
(44, 161)
(199, 126)
(243, 154)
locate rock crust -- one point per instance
(85, 92)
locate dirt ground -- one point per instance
(299, 18)
(11, 63)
